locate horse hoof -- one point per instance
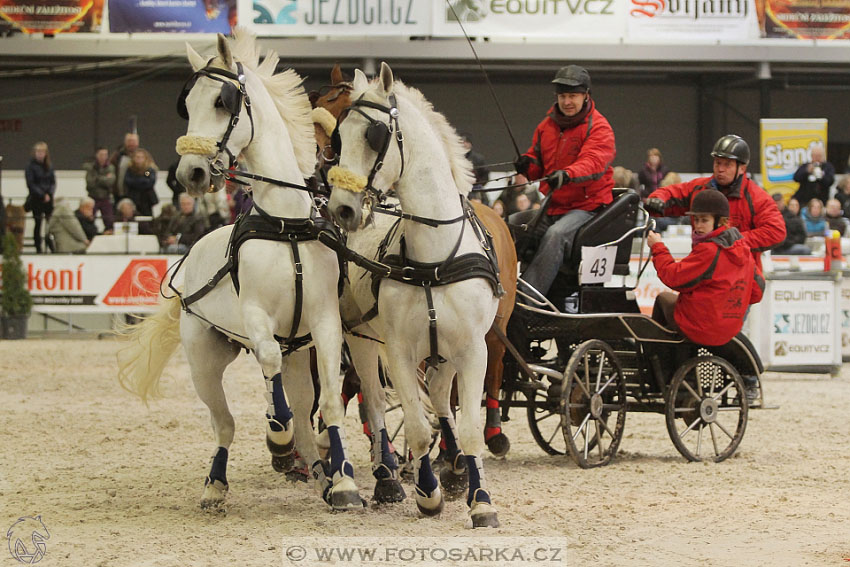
(429, 505)
(283, 463)
(388, 491)
(344, 494)
(213, 497)
(484, 515)
(454, 483)
(499, 445)
(298, 474)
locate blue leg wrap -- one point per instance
(449, 436)
(277, 404)
(476, 472)
(425, 479)
(386, 457)
(337, 453)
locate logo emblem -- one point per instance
(780, 348)
(466, 11)
(139, 284)
(27, 539)
(781, 323)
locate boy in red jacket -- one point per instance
(716, 282)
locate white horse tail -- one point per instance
(150, 345)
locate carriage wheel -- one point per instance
(593, 404)
(706, 393)
(544, 420)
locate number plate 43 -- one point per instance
(597, 264)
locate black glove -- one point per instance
(655, 205)
(557, 178)
(522, 164)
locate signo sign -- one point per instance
(597, 264)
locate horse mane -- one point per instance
(286, 90)
(455, 151)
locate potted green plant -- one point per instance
(15, 302)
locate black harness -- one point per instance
(264, 226)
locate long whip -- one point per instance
(487, 78)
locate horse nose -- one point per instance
(345, 215)
(198, 176)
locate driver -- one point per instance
(572, 150)
(751, 210)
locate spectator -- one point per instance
(66, 231)
(160, 224)
(625, 178)
(652, 173)
(835, 218)
(794, 207)
(482, 174)
(100, 182)
(753, 211)
(506, 203)
(85, 216)
(173, 184)
(121, 159)
(843, 195)
(185, 228)
(814, 218)
(213, 208)
(663, 223)
(795, 231)
(41, 187)
(139, 182)
(815, 178)
(571, 150)
(126, 213)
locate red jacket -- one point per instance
(585, 152)
(751, 210)
(716, 282)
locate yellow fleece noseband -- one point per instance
(342, 178)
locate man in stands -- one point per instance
(571, 150)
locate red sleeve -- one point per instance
(677, 197)
(689, 271)
(596, 154)
(768, 222)
(535, 170)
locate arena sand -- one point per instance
(117, 483)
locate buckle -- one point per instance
(404, 270)
(432, 315)
(299, 271)
(436, 273)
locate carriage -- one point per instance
(611, 360)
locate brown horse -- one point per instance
(330, 102)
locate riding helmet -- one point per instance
(711, 202)
(734, 147)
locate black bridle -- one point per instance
(378, 136)
(232, 97)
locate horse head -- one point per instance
(216, 103)
(373, 158)
(329, 103)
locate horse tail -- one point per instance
(151, 343)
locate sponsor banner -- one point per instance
(692, 19)
(804, 19)
(804, 322)
(337, 17)
(109, 283)
(193, 16)
(51, 16)
(786, 144)
(562, 19)
(844, 316)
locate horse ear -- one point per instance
(386, 78)
(224, 51)
(336, 75)
(360, 80)
(195, 60)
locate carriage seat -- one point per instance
(609, 224)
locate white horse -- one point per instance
(286, 289)
(426, 165)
